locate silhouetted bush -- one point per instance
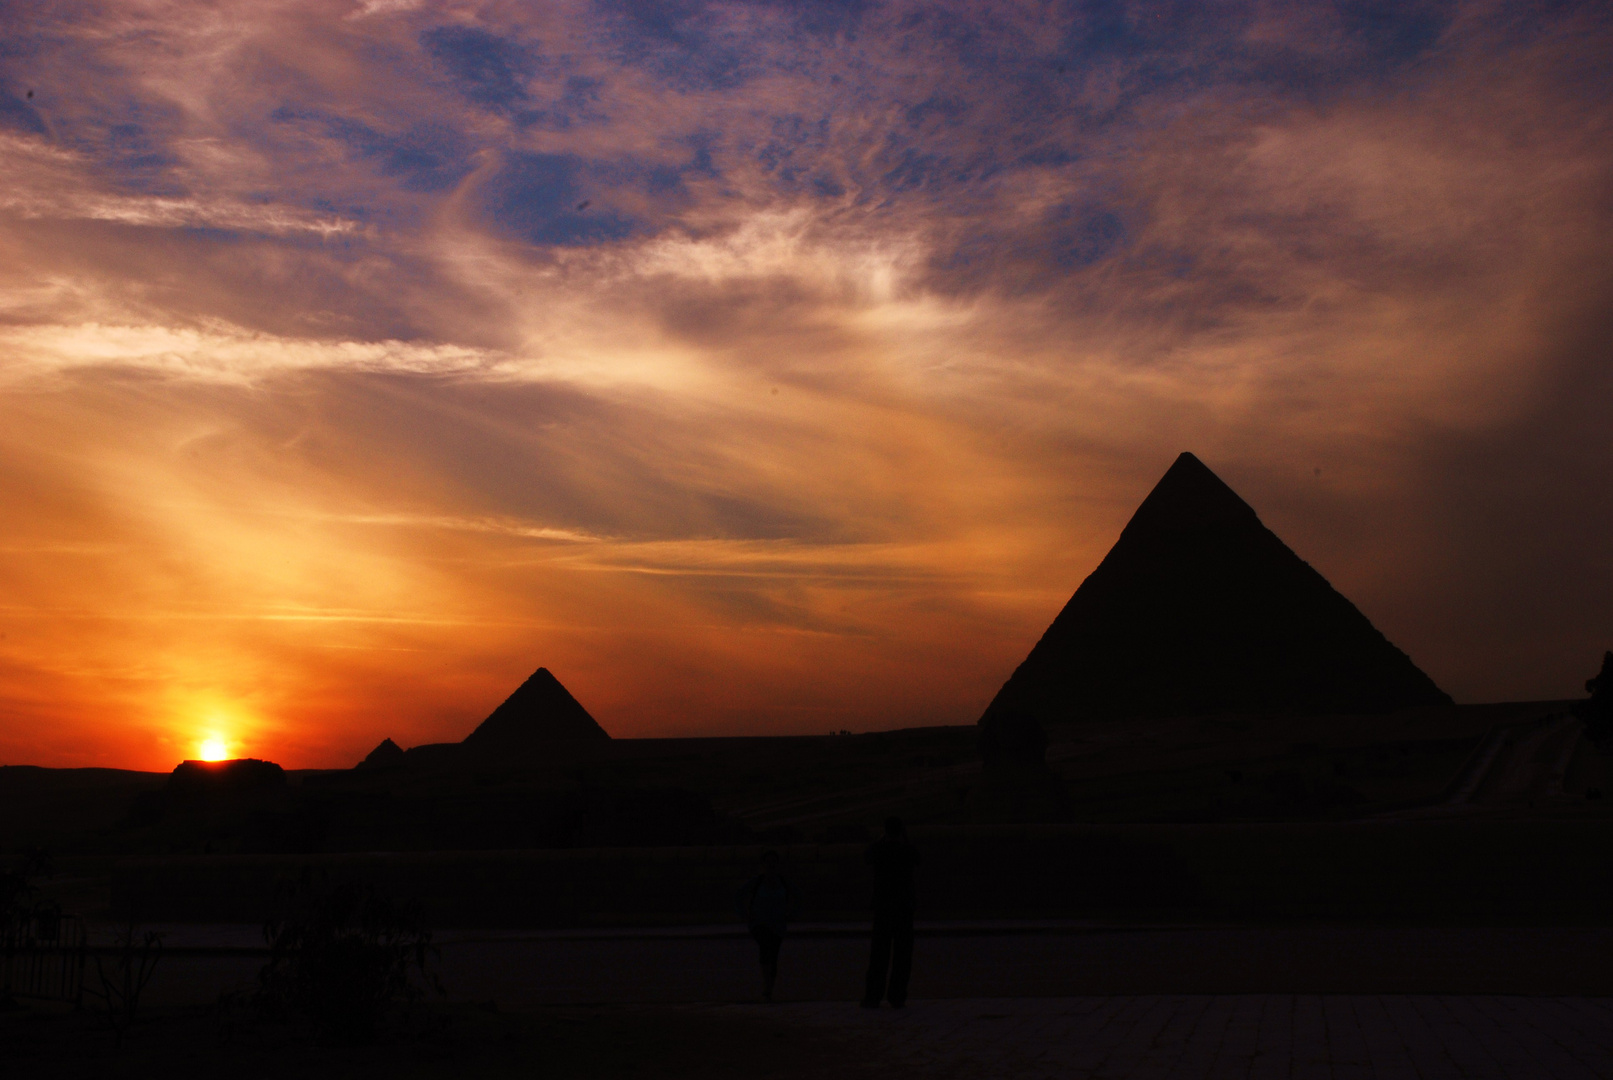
(20, 907)
(344, 959)
(121, 978)
(17, 890)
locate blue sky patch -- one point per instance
(426, 156)
(486, 68)
(677, 39)
(18, 113)
(540, 197)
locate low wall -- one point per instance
(1461, 872)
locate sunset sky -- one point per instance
(768, 367)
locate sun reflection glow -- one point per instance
(214, 749)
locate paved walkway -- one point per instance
(1304, 1037)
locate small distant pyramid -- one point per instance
(1199, 608)
(540, 715)
(385, 756)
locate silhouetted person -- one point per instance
(890, 953)
(767, 903)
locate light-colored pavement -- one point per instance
(1216, 1037)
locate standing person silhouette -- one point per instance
(767, 903)
(890, 953)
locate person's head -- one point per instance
(769, 862)
(894, 828)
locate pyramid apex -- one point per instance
(541, 714)
(1191, 464)
(1200, 608)
(388, 753)
(1189, 496)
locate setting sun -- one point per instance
(214, 750)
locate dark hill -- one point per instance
(1199, 608)
(195, 780)
(541, 715)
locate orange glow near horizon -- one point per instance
(214, 749)
(766, 369)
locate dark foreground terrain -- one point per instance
(1414, 894)
(443, 1041)
(953, 961)
(990, 1001)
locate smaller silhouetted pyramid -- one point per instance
(385, 756)
(1200, 608)
(541, 715)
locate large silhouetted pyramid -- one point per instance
(1199, 608)
(540, 715)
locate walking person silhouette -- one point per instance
(766, 903)
(890, 952)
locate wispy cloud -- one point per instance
(215, 353)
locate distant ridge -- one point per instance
(1199, 608)
(540, 715)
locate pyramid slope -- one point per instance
(387, 754)
(1200, 608)
(540, 714)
